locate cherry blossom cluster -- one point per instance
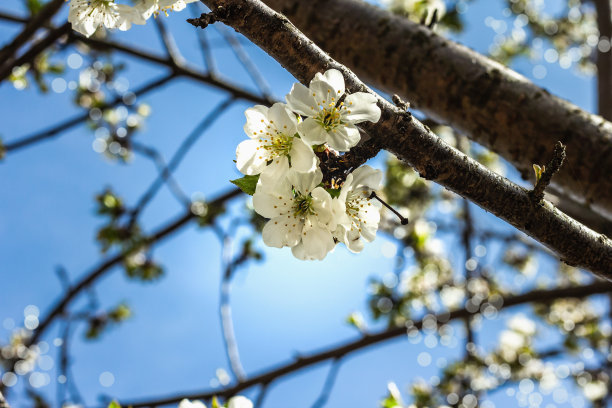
(304, 213)
(87, 15)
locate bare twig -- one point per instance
(553, 166)
(164, 173)
(328, 385)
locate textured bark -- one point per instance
(604, 60)
(401, 134)
(453, 84)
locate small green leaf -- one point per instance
(2, 150)
(114, 404)
(538, 172)
(247, 183)
(215, 402)
(334, 192)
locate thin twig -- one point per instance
(55, 130)
(328, 385)
(246, 61)
(553, 166)
(178, 156)
(163, 172)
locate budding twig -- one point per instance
(203, 21)
(403, 219)
(537, 194)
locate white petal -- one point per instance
(362, 106)
(336, 80)
(317, 241)
(284, 230)
(353, 241)
(305, 182)
(303, 158)
(249, 159)
(270, 204)
(323, 91)
(366, 176)
(257, 121)
(343, 138)
(300, 100)
(322, 205)
(284, 120)
(239, 402)
(312, 132)
(275, 173)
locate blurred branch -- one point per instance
(339, 351)
(31, 26)
(178, 156)
(329, 384)
(409, 140)
(225, 308)
(95, 273)
(28, 57)
(169, 44)
(177, 69)
(246, 61)
(55, 130)
(164, 172)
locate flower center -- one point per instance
(278, 146)
(302, 205)
(329, 118)
(356, 201)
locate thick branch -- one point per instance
(414, 143)
(490, 103)
(604, 60)
(337, 352)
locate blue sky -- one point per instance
(280, 307)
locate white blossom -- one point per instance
(520, 323)
(148, 8)
(273, 147)
(358, 215)
(239, 402)
(595, 390)
(452, 296)
(329, 120)
(87, 15)
(185, 403)
(300, 214)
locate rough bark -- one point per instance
(604, 60)
(491, 104)
(401, 134)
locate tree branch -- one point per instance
(452, 84)
(341, 350)
(414, 143)
(104, 267)
(604, 60)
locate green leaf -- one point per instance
(114, 404)
(538, 172)
(247, 183)
(2, 150)
(334, 192)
